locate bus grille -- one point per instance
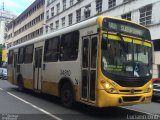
(136, 83)
(130, 99)
(129, 91)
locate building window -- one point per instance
(111, 3)
(79, 0)
(71, 2)
(28, 54)
(64, 4)
(69, 46)
(37, 34)
(146, 15)
(127, 16)
(42, 16)
(47, 15)
(126, 1)
(51, 26)
(52, 11)
(48, 2)
(78, 17)
(57, 24)
(58, 8)
(46, 29)
(87, 11)
(63, 22)
(41, 30)
(70, 19)
(99, 6)
(51, 50)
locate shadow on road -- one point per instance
(110, 112)
(85, 110)
(78, 112)
(156, 101)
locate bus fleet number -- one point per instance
(65, 72)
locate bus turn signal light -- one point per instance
(149, 88)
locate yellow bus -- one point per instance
(103, 61)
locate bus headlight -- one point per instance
(109, 88)
(107, 85)
(149, 88)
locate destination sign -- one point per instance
(126, 28)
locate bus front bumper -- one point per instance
(105, 99)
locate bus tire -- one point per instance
(66, 95)
(20, 83)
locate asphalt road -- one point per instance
(15, 105)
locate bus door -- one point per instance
(37, 68)
(89, 65)
(15, 67)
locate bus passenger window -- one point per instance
(36, 59)
(85, 53)
(10, 57)
(92, 84)
(28, 54)
(69, 43)
(51, 50)
(84, 83)
(94, 52)
(21, 55)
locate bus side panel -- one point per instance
(26, 70)
(11, 69)
(55, 71)
(10, 73)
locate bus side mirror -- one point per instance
(104, 43)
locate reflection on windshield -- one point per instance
(127, 59)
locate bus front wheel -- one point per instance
(66, 95)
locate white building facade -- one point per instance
(63, 13)
(5, 17)
(28, 25)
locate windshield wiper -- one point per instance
(119, 34)
(143, 46)
(122, 43)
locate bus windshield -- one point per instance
(128, 58)
(131, 60)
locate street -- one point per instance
(33, 106)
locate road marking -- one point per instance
(36, 107)
(1, 89)
(141, 111)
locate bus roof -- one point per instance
(84, 24)
(80, 25)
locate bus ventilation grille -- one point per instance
(130, 99)
(130, 91)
